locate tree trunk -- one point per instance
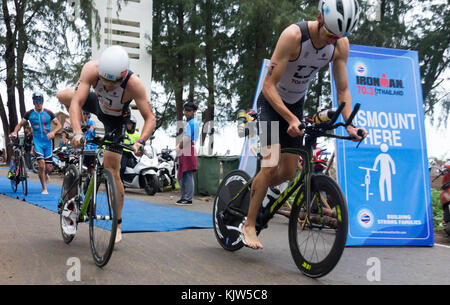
(5, 125)
(208, 121)
(21, 50)
(10, 60)
(179, 70)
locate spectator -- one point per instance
(89, 134)
(187, 157)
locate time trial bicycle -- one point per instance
(17, 169)
(98, 205)
(318, 222)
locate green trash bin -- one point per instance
(228, 164)
(207, 175)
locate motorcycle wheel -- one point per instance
(161, 185)
(35, 166)
(152, 185)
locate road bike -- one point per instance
(97, 205)
(18, 169)
(318, 221)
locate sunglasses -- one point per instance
(330, 34)
(107, 82)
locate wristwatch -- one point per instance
(140, 141)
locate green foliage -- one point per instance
(425, 30)
(438, 213)
(256, 26)
(247, 32)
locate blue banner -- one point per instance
(386, 180)
(248, 158)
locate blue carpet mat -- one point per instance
(138, 216)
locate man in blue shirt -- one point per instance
(187, 160)
(89, 159)
(40, 120)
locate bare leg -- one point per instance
(48, 168)
(41, 174)
(65, 97)
(112, 162)
(268, 176)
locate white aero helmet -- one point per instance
(113, 64)
(340, 16)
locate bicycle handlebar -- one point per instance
(319, 129)
(100, 141)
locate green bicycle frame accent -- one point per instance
(303, 177)
(89, 192)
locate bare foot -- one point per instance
(44, 192)
(251, 239)
(118, 235)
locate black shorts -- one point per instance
(269, 119)
(112, 124)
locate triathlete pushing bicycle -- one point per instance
(40, 120)
(302, 49)
(115, 87)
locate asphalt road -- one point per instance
(32, 252)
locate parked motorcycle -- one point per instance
(320, 160)
(59, 165)
(142, 173)
(61, 158)
(444, 172)
(166, 169)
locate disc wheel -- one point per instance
(232, 184)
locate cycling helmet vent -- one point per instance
(339, 16)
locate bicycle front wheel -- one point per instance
(318, 229)
(67, 203)
(23, 176)
(103, 218)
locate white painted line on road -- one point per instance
(445, 246)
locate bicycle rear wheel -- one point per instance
(103, 218)
(14, 171)
(68, 193)
(223, 220)
(318, 230)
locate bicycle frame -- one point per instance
(306, 152)
(303, 177)
(92, 191)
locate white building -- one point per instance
(131, 28)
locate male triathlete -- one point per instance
(40, 120)
(115, 87)
(301, 51)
